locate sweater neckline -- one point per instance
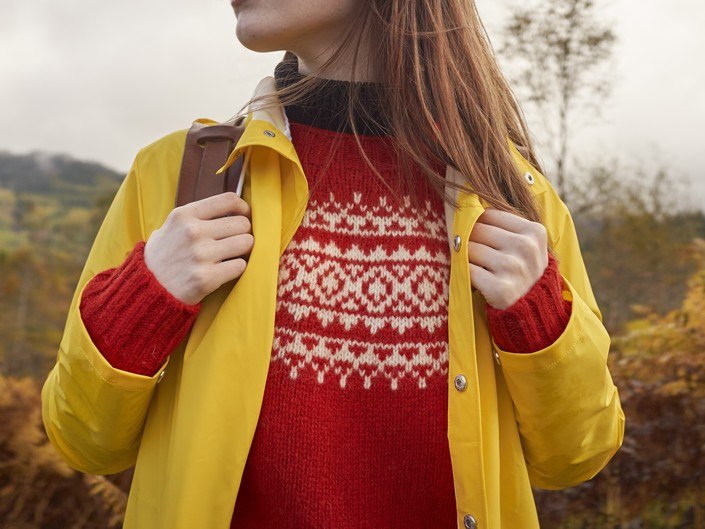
(327, 106)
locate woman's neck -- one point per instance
(327, 106)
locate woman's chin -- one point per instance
(255, 39)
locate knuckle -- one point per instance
(517, 263)
(539, 231)
(245, 224)
(504, 263)
(191, 230)
(178, 215)
(234, 198)
(199, 277)
(514, 264)
(536, 245)
(199, 253)
(238, 203)
(527, 245)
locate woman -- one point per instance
(393, 327)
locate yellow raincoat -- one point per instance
(548, 419)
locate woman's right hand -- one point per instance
(200, 246)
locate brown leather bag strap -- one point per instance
(206, 150)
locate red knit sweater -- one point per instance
(353, 427)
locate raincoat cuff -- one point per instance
(96, 363)
(561, 348)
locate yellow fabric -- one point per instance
(548, 419)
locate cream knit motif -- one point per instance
(396, 287)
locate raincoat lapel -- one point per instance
(236, 366)
(225, 371)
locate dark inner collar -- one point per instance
(326, 107)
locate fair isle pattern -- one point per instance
(374, 289)
(381, 219)
(343, 357)
(363, 293)
(353, 428)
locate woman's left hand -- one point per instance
(507, 255)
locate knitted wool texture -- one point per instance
(353, 426)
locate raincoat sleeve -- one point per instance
(93, 413)
(567, 407)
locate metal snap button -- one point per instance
(495, 353)
(161, 376)
(269, 133)
(529, 178)
(456, 243)
(461, 383)
(469, 522)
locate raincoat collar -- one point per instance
(275, 118)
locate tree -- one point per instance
(559, 53)
(634, 232)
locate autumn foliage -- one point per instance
(645, 260)
(39, 490)
(657, 478)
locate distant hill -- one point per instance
(74, 183)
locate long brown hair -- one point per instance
(437, 66)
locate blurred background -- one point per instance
(612, 93)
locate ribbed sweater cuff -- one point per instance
(537, 319)
(132, 319)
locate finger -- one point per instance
(223, 227)
(220, 205)
(229, 247)
(493, 236)
(480, 278)
(504, 219)
(484, 256)
(227, 270)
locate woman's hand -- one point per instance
(200, 246)
(507, 255)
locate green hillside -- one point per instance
(73, 183)
(51, 207)
(53, 202)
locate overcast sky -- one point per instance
(99, 80)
